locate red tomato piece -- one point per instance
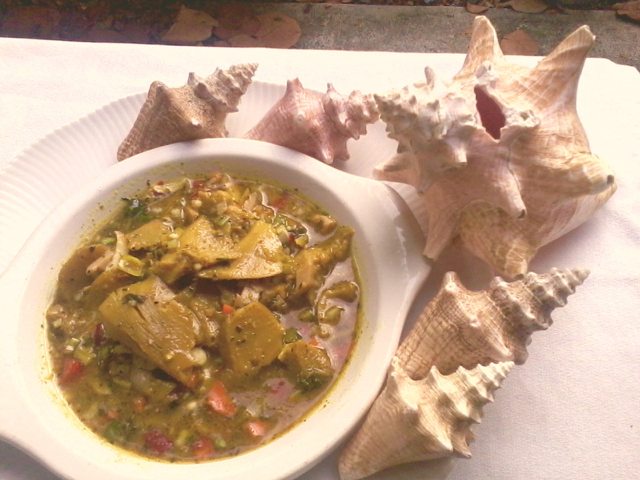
(138, 403)
(227, 309)
(71, 370)
(257, 428)
(220, 401)
(157, 441)
(198, 184)
(202, 447)
(280, 202)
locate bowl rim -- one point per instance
(390, 246)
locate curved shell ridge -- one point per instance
(552, 289)
(350, 114)
(457, 328)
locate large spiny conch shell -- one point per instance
(459, 351)
(498, 153)
(194, 111)
(316, 125)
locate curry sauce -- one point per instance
(206, 318)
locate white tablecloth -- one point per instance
(572, 411)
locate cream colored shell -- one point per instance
(316, 125)
(423, 419)
(194, 111)
(498, 153)
(458, 352)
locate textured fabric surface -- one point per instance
(571, 410)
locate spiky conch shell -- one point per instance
(458, 353)
(194, 111)
(316, 125)
(498, 153)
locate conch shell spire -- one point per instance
(498, 153)
(418, 420)
(194, 111)
(493, 325)
(316, 125)
(453, 359)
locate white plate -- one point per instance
(387, 245)
(45, 173)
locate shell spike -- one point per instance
(561, 69)
(483, 46)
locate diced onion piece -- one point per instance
(131, 265)
(198, 355)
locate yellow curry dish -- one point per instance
(207, 317)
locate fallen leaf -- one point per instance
(526, 6)
(190, 27)
(30, 22)
(244, 40)
(278, 30)
(628, 9)
(235, 19)
(518, 42)
(473, 8)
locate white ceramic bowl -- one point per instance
(387, 247)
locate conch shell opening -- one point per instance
(498, 153)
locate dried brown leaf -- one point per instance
(526, 6)
(191, 26)
(475, 9)
(519, 42)
(233, 23)
(628, 9)
(278, 30)
(235, 19)
(244, 40)
(232, 15)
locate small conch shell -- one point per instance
(424, 419)
(498, 153)
(457, 353)
(316, 125)
(194, 111)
